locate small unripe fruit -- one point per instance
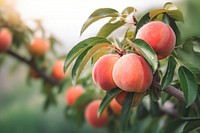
(132, 73)
(91, 115)
(73, 93)
(57, 70)
(38, 47)
(116, 107)
(5, 39)
(137, 98)
(102, 71)
(159, 36)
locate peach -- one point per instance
(57, 70)
(5, 39)
(38, 47)
(132, 73)
(102, 71)
(136, 99)
(116, 107)
(73, 93)
(159, 36)
(91, 117)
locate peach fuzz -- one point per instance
(116, 107)
(5, 39)
(132, 73)
(39, 46)
(159, 36)
(91, 115)
(102, 71)
(57, 70)
(136, 99)
(73, 93)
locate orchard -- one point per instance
(139, 73)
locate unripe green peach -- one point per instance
(91, 115)
(159, 36)
(102, 71)
(132, 73)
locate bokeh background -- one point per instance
(21, 103)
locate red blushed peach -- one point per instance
(116, 107)
(91, 115)
(159, 36)
(136, 99)
(38, 47)
(57, 70)
(5, 39)
(73, 93)
(102, 71)
(132, 73)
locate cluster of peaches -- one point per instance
(91, 109)
(38, 48)
(129, 72)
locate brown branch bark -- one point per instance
(40, 72)
(173, 92)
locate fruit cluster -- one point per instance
(131, 72)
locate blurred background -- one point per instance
(21, 104)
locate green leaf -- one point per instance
(80, 47)
(146, 51)
(154, 94)
(77, 63)
(145, 19)
(176, 15)
(188, 85)
(109, 27)
(87, 57)
(156, 12)
(170, 21)
(187, 55)
(100, 53)
(169, 74)
(99, 14)
(170, 6)
(191, 125)
(126, 110)
(172, 126)
(128, 10)
(142, 111)
(154, 108)
(107, 99)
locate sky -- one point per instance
(64, 18)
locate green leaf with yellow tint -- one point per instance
(99, 14)
(80, 47)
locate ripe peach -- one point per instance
(102, 71)
(91, 115)
(57, 70)
(159, 36)
(116, 107)
(73, 93)
(38, 47)
(132, 73)
(136, 99)
(5, 39)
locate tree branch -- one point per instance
(40, 72)
(173, 92)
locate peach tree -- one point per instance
(149, 70)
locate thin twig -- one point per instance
(40, 72)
